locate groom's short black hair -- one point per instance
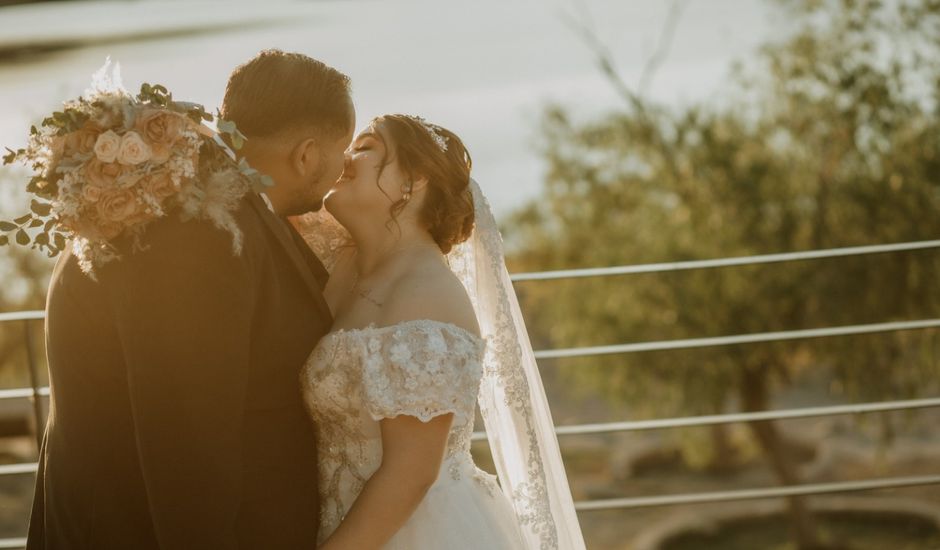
(278, 92)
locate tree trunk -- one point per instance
(754, 398)
(724, 454)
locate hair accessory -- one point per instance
(432, 130)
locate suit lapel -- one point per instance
(283, 236)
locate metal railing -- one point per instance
(36, 392)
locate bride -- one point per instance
(426, 326)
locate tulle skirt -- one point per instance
(464, 510)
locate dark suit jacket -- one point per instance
(176, 418)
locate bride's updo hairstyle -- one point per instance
(447, 212)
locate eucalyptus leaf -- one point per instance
(22, 238)
(4, 240)
(7, 226)
(42, 209)
(23, 219)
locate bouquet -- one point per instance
(109, 163)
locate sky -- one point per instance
(485, 69)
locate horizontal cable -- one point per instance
(23, 393)
(754, 494)
(658, 267)
(21, 468)
(736, 339)
(13, 543)
(711, 420)
(22, 316)
(721, 262)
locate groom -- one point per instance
(176, 420)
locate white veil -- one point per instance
(512, 401)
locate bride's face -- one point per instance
(371, 181)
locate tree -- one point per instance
(25, 275)
(833, 140)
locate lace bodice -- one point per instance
(354, 378)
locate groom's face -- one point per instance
(309, 170)
(329, 169)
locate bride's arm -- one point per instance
(412, 452)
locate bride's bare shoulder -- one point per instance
(430, 290)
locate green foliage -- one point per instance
(49, 157)
(234, 137)
(834, 140)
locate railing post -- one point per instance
(34, 382)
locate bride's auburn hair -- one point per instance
(447, 212)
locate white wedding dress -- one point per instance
(424, 368)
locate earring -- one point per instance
(406, 193)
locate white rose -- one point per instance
(133, 149)
(107, 146)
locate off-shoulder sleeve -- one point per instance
(324, 235)
(422, 369)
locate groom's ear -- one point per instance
(304, 158)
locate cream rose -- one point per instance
(133, 149)
(107, 146)
(159, 185)
(102, 174)
(117, 205)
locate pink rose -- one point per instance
(102, 174)
(133, 150)
(92, 193)
(57, 146)
(82, 141)
(159, 185)
(107, 146)
(117, 205)
(161, 129)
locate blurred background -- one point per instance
(684, 138)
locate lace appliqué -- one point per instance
(424, 370)
(501, 375)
